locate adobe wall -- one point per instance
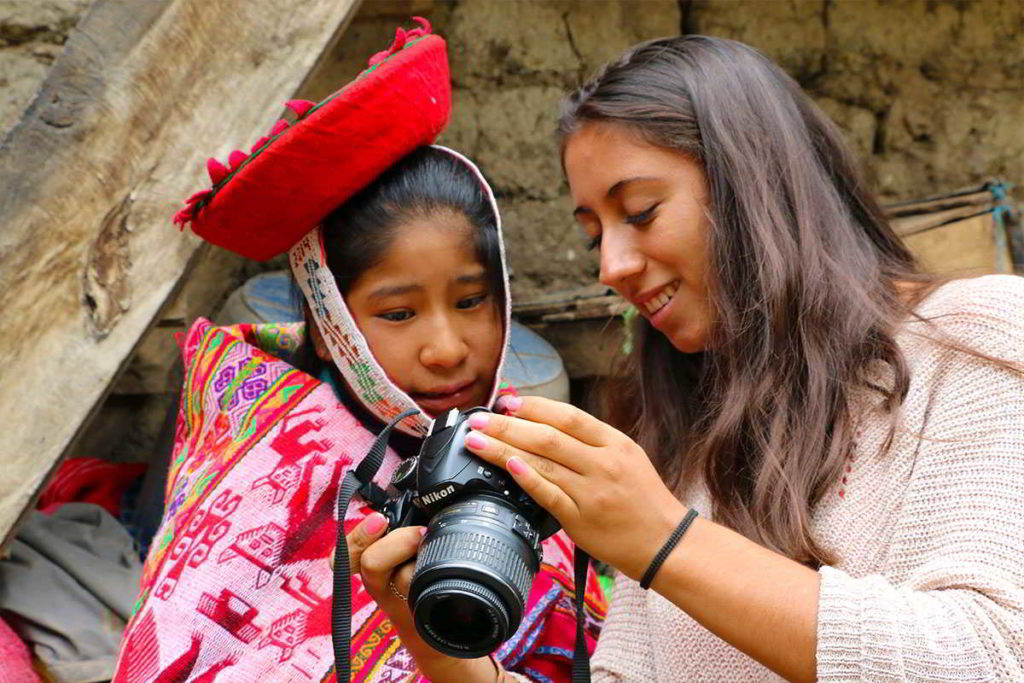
(930, 93)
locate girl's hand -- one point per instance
(386, 564)
(383, 561)
(596, 481)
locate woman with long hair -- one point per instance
(815, 457)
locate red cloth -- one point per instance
(262, 204)
(15, 660)
(90, 480)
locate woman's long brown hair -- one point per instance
(805, 281)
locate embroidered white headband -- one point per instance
(347, 345)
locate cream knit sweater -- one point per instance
(930, 584)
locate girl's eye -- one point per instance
(395, 316)
(593, 243)
(471, 302)
(643, 217)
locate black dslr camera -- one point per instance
(482, 547)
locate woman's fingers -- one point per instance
(548, 495)
(499, 448)
(530, 437)
(564, 417)
(360, 538)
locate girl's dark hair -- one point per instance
(803, 284)
(425, 183)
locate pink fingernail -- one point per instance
(479, 420)
(515, 466)
(509, 404)
(423, 531)
(375, 523)
(474, 440)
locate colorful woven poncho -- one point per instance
(237, 586)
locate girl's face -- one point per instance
(429, 316)
(645, 208)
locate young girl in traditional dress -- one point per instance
(405, 290)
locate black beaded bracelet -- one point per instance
(671, 543)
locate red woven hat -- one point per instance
(262, 203)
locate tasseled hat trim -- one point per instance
(241, 238)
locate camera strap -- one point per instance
(580, 656)
(360, 480)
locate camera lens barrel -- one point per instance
(473, 576)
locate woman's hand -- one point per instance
(386, 564)
(600, 485)
(593, 478)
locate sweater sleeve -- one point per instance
(957, 611)
(624, 648)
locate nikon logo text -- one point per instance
(431, 498)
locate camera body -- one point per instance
(483, 542)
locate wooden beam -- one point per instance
(980, 198)
(911, 225)
(117, 137)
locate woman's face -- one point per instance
(429, 316)
(644, 207)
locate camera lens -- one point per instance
(468, 619)
(473, 576)
(459, 617)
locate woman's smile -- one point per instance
(657, 300)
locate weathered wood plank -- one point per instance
(116, 138)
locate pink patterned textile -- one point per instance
(237, 586)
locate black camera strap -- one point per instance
(580, 656)
(361, 481)
(341, 607)
(358, 481)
